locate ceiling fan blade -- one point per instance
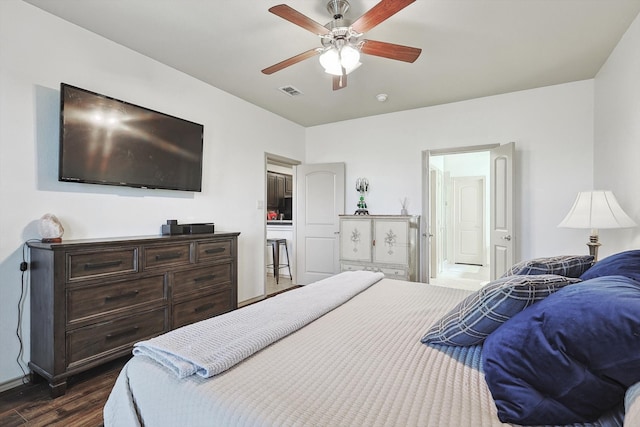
(293, 16)
(390, 50)
(379, 13)
(293, 60)
(339, 82)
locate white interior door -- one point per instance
(501, 238)
(319, 202)
(468, 225)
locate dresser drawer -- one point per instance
(166, 255)
(395, 273)
(390, 272)
(352, 267)
(201, 308)
(200, 278)
(98, 300)
(89, 265)
(95, 340)
(209, 251)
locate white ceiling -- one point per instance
(470, 48)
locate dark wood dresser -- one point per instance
(91, 300)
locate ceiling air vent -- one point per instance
(290, 90)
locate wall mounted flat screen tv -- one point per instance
(107, 141)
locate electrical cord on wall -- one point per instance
(24, 267)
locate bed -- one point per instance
(362, 363)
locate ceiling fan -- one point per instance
(342, 40)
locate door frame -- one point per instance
(425, 259)
(502, 234)
(435, 239)
(275, 159)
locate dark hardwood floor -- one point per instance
(31, 405)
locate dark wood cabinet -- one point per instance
(288, 186)
(272, 191)
(91, 300)
(279, 186)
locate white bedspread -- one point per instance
(214, 345)
(362, 364)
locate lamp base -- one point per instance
(51, 239)
(593, 247)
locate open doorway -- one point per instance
(438, 203)
(280, 247)
(459, 218)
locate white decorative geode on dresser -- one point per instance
(384, 243)
(50, 228)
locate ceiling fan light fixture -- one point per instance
(350, 57)
(329, 60)
(341, 38)
(333, 60)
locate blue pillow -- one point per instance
(568, 358)
(623, 264)
(475, 317)
(562, 265)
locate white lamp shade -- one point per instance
(596, 209)
(332, 62)
(350, 57)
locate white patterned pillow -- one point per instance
(482, 312)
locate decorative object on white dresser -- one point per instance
(362, 187)
(405, 206)
(385, 243)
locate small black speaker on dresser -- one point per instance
(172, 227)
(198, 228)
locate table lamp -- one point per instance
(594, 210)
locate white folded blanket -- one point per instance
(214, 345)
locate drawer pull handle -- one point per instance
(130, 331)
(203, 278)
(215, 250)
(95, 265)
(131, 294)
(164, 257)
(204, 307)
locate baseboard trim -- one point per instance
(8, 385)
(250, 301)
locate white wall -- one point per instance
(617, 136)
(467, 164)
(553, 131)
(37, 52)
